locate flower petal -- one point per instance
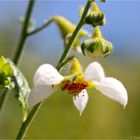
(46, 74)
(113, 89)
(38, 94)
(80, 100)
(94, 72)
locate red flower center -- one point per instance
(74, 87)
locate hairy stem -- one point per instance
(25, 125)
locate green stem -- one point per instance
(23, 33)
(25, 125)
(41, 27)
(75, 33)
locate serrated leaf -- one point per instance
(22, 88)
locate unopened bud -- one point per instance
(67, 27)
(96, 46)
(95, 17)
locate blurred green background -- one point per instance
(58, 118)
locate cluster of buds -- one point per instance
(96, 46)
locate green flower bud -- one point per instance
(96, 46)
(6, 72)
(67, 27)
(95, 17)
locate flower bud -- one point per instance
(95, 17)
(67, 27)
(97, 45)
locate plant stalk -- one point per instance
(25, 125)
(24, 31)
(50, 20)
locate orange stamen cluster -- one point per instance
(74, 87)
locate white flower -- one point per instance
(46, 76)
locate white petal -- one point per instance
(47, 75)
(94, 72)
(38, 94)
(113, 89)
(80, 100)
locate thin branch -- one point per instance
(41, 27)
(23, 33)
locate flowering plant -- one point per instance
(77, 83)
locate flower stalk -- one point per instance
(24, 34)
(50, 20)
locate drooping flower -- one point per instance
(76, 84)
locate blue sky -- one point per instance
(122, 27)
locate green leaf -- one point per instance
(22, 88)
(6, 72)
